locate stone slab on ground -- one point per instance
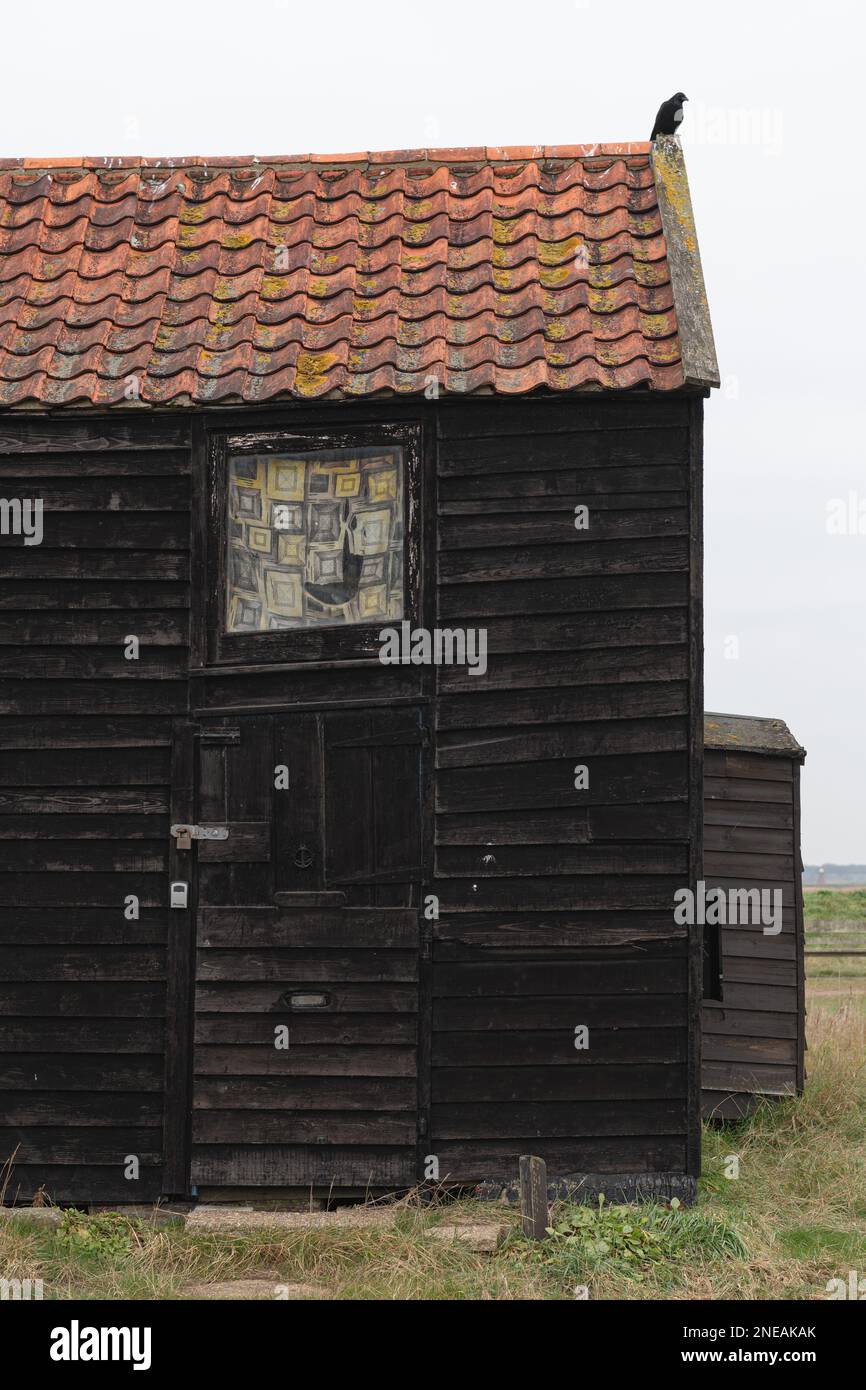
(45, 1216)
(234, 1220)
(233, 1289)
(481, 1237)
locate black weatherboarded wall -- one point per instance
(555, 903)
(754, 1036)
(84, 804)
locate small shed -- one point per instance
(753, 1038)
(352, 706)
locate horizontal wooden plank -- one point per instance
(82, 1110)
(249, 842)
(130, 495)
(748, 839)
(755, 767)
(82, 856)
(558, 1011)
(268, 689)
(455, 937)
(100, 663)
(109, 628)
(565, 706)
(47, 1072)
(585, 1081)
(550, 979)
(576, 894)
(620, 627)
(778, 999)
(352, 998)
(559, 502)
(33, 963)
(472, 418)
(747, 790)
(334, 1060)
(475, 1161)
(124, 767)
(753, 970)
(538, 1048)
(42, 562)
(74, 828)
(568, 826)
(589, 594)
(591, 738)
(85, 435)
(60, 1145)
(482, 531)
(743, 1021)
(55, 801)
(628, 779)
(88, 731)
(315, 1029)
(538, 489)
(331, 1127)
(320, 1093)
(292, 967)
(511, 861)
(248, 1165)
(136, 1035)
(164, 530)
(737, 863)
(752, 942)
(659, 555)
(82, 889)
(557, 1119)
(749, 1076)
(125, 999)
(116, 697)
(356, 928)
(79, 1184)
(511, 672)
(606, 446)
(34, 596)
(719, 1047)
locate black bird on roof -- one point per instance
(670, 115)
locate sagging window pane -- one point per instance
(314, 539)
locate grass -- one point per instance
(835, 921)
(793, 1219)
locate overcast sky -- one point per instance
(776, 91)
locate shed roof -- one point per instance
(750, 734)
(194, 281)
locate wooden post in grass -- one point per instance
(533, 1197)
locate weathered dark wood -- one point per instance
(533, 1197)
(449, 1035)
(754, 1039)
(179, 964)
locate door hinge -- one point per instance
(185, 834)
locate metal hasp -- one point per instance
(185, 834)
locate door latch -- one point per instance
(185, 834)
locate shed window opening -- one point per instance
(315, 539)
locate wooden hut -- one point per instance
(280, 911)
(754, 1036)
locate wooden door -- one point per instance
(306, 1001)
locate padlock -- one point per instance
(184, 838)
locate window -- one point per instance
(313, 545)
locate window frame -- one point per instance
(355, 641)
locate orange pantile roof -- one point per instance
(208, 280)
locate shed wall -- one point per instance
(85, 773)
(753, 1039)
(594, 658)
